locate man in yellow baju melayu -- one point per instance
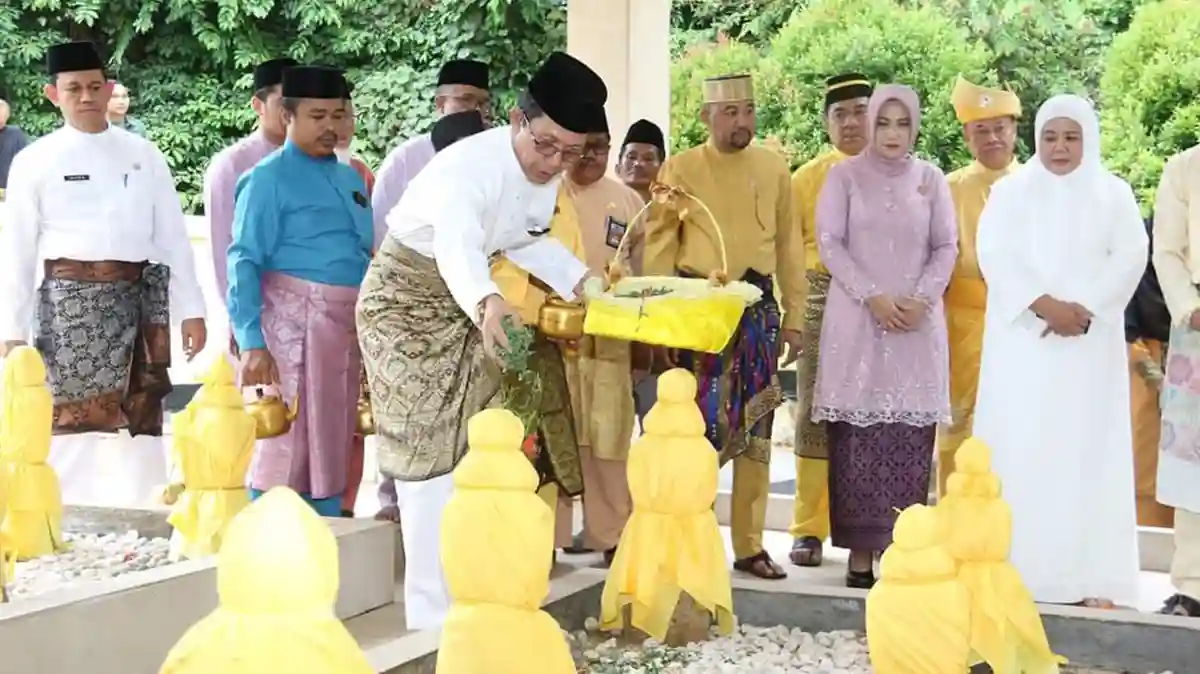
(989, 119)
(846, 99)
(748, 189)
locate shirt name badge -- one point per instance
(614, 231)
(77, 178)
(360, 199)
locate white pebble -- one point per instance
(88, 558)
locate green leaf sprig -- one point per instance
(520, 383)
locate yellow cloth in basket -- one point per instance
(693, 315)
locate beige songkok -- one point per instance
(973, 102)
(728, 89)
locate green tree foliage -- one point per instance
(753, 22)
(917, 46)
(187, 62)
(1150, 93)
(1037, 49)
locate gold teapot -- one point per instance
(272, 417)
(561, 320)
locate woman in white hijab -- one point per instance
(1062, 247)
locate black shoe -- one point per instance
(860, 580)
(349, 514)
(1182, 605)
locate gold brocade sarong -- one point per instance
(812, 439)
(558, 461)
(1146, 361)
(966, 304)
(425, 363)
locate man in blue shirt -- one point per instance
(302, 237)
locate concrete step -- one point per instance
(128, 624)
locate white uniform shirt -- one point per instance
(472, 201)
(91, 197)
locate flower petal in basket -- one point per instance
(681, 313)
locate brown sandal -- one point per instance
(807, 551)
(760, 566)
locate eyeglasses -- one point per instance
(548, 148)
(596, 149)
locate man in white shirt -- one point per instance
(429, 314)
(94, 217)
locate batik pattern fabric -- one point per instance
(426, 367)
(739, 387)
(875, 472)
(309, 330)
(103, 329)
(558, 458)
(812, 438)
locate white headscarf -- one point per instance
(1091, 171)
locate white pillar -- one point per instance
(627, 42)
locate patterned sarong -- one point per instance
(739, 387)
(103, 330)
(558, 461)
(812, 438)
(426, 367)
(309, 330)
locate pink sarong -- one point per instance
(309, 330)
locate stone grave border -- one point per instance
(127, 624)
(1110, 640)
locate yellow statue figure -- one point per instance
(497, 545)
(1006, 629)
(32, 524)
(214, 442)
(918, 614)
(277, 582)
(672, 542)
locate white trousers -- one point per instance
(426, 599)
(111, 470)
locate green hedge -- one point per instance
(1150, 93)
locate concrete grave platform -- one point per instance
(127, 624)
(1093, 640)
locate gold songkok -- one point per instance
(973, 102)
(728, 89)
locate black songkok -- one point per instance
(347, 88)
(313, 82)
(845, 87)
(73, 57)
(454, 127)
(270, 73)
(464, 71)
(569, 92)
(645, 131)
(596, 119)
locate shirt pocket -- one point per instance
(75, 202)
(766, 202)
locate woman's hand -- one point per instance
(912, 310)
(886, 313)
